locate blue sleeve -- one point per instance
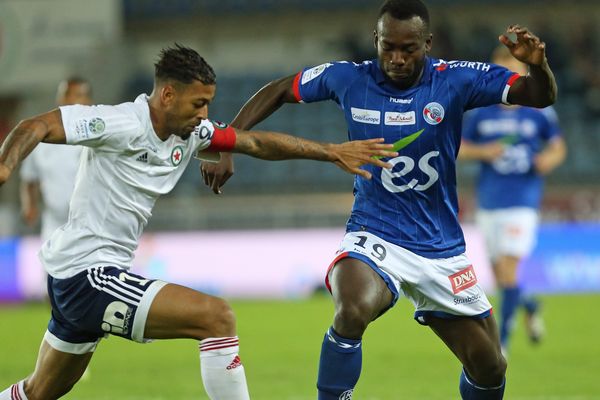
(552, 126)
(486, 85)
(471, 119)
(327, 81)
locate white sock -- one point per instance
(222, 371)
(14, 392)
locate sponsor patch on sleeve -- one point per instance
(313, 72)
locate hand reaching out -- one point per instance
(216, 174)
(350, 156)
(528, 48)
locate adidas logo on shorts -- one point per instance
(143, 158)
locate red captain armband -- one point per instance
(223, 138)
(296, 87)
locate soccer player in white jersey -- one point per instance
(134, 152)
(403, 236)
(50, 170)
(516, 147)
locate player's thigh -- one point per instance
(474, 341)
(180, 312)
(55, 372)
(355, 282)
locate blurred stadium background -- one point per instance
(274, 230)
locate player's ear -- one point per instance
(375, 38)
(428, 42)
(167, 94)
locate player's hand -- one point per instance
(490, 152)
(528, 49)
(216, 174)
(350, 156)
(4, 173)
(544, 163)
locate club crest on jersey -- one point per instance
(96, 126)
(433, 113)
(177, 155)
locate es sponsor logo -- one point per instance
(365, 116)
(463, 279)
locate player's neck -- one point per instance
(158, 120)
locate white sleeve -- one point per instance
(106, 127)
(29, 171)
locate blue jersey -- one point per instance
(511, 180)
(414, 205)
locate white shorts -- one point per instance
(508, 231)
(442, 287)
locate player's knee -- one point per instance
(221, 321)
(351, 320)
(487, 369)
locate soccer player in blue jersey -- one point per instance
(516, 147)
(403, 235)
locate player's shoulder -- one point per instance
(339, 69)
(459, 68)
(549, 113)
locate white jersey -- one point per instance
(54, 167)
(125, 167)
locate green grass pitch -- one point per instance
(280, 343)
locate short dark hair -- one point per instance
(184, 65)
(405, 9)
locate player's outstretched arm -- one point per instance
(349, 156)
(538, 88)
(25, 136)
(262, 104)
(487, 152)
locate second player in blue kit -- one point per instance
(403, 236)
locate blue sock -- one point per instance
(339, 366)
(530, 303)
(469, 390)
(510, 302)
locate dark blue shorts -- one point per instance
(97, 302)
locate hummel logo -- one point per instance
(143, 158)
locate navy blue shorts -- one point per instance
(97, 302)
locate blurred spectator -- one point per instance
(49, 171)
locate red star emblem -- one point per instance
(177, 155)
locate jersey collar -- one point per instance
(427, 69)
